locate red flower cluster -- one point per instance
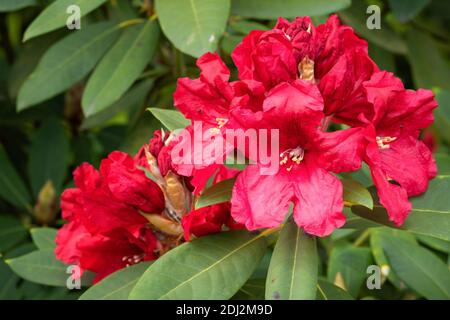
(296, 78)
(118, 216)
(299, 78)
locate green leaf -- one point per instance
(442, 115)
(423, 54)
(356, 194)
(418, 268)
(67, 62)
(268, 9)
(350, 263)
(430, 214)
(12, 232)
(120, 67)
(376, 236)
(217, 193)
(49, 155)
(193, 26)
(44, 238)
(328, 291)
(131, 101)
(12, 188)
(253, 289)
(212, 267)
(13, 5)
(42, 267)
(118, 285)
(434, 243)
(294, 266)
(356, 17)
(171, 119)
(55, 16)
(405, 10)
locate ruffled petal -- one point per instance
(66, 242)
(393, 197)
(266, 57)
(409, 162)
(208, 97)
(342, 150)
(318, 199)
(260, 201)
(129, 184)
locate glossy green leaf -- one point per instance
(55, 16)
(356, 17)
(12, 232)
(434, 243)
(13, 5)
(424, 56)
(328, 291)
(418, 268)
(268, 9)
(42, 267)
(120, 67)
(405, 10)
(171, 119)
(376, 236)
(356, 194)
(217, 193)
(44, 238)
(294, 266)
(211, 267)
(49, 155)
(130, 101)
(12, 188)
(430, 214)
(67, 62)
(118, 285)
(193, 26)
(351, 263)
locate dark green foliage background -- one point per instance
(67, 97)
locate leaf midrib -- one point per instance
(124, 58)
(70, 59)
(412, 261)
(212, 265)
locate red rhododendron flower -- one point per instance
(395, 152)
(330, 55)
(261, 201)
(106, 231)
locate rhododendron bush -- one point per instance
(225, 150)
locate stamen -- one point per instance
(309, 28)
(221, 122)
(293, 156)
(383, 142)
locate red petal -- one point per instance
(260, 201)
(318, 203)
(342, 150)
(409, 162)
